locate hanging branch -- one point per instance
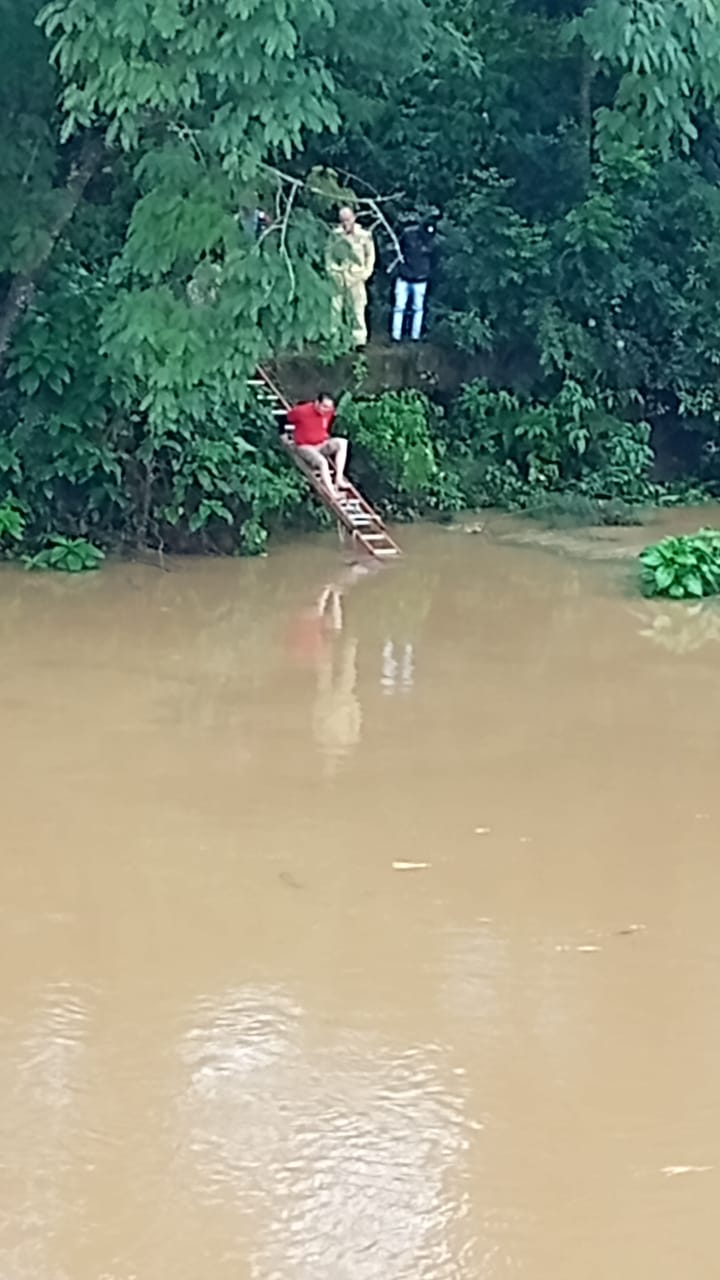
(286, 192)
(381, 220)
(370, 203)
(374, 203)
(281, 223)
(283, 237)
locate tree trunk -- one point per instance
(587, 78)
(22, 288)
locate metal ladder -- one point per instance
(352, 511)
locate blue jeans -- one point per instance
(406, 290)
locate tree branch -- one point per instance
(23, 285)
(372, 203)
(587, 78)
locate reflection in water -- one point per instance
(681, 628)
(337, 718)
(344, 1155)
(322, 640)
(398, 667)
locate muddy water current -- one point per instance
(359, 927)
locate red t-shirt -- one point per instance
(310, 426)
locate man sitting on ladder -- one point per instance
(308, 429)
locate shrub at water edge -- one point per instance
(683, 568)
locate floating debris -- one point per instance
(568, 947)
(290, 880)
(482, 831)
(674, 1170)
(410, 866)
(630, 928)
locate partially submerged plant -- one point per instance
(686, 567)
(67, 555)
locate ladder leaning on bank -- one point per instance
(353, 512)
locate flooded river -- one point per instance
(244, 1035)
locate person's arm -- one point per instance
(368, 255)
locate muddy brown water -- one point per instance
(237, 1041)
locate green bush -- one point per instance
(511, 451)
(395, 452)
(67, 555)
(82, 459)
(684, 567)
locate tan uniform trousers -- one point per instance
(352, 293)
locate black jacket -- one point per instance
(419, 252)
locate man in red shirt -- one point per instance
(308, 429)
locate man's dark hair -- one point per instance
(322, 395)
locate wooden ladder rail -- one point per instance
(352, 511)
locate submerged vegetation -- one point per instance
(580, 257)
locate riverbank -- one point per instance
(594, 542)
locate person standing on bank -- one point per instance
(418, 247)
(307, 429)
(351, 262)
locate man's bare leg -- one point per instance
(326, 476)
(338, 450)
(315, 458)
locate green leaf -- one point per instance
(664, 575)
(693, 584)
(652, 556)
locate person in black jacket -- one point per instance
(415, 268)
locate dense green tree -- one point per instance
(132, 366)
(668, 58)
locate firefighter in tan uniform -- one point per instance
(351, 262)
